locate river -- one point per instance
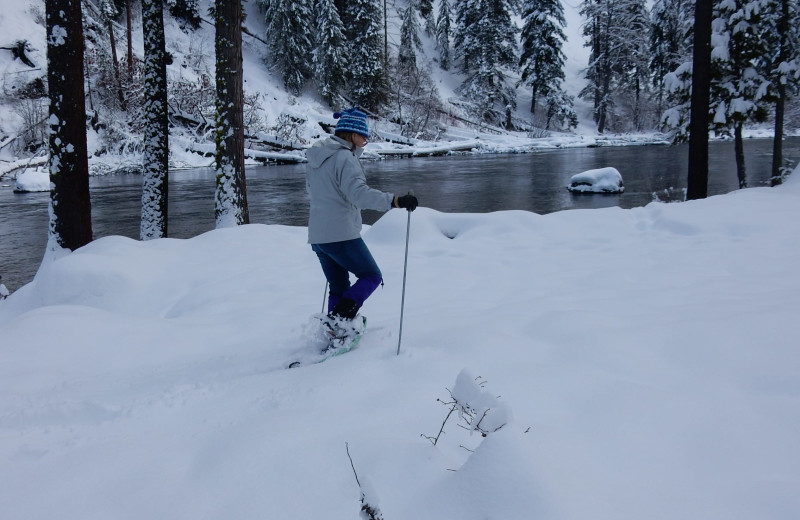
(462, 183)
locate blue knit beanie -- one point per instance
(352, 120)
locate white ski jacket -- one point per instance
(337, 186)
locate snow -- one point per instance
(599, 180)
(37, 179)
(644, 364)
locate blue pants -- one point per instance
(338, 260)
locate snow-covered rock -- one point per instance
(32, 180)
(600, 180)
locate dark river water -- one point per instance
(460, 184)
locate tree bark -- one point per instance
(130, 38)
(230, 200)
(70, 206)
(738, 146)
(697, 182)
(155, 170)
(115, 64)
(777, 142)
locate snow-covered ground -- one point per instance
(645, 360)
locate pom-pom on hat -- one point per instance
(352, 120)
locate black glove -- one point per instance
(408, 202)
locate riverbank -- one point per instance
(189, 153)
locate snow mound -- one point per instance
(600, 180)
(32, 181)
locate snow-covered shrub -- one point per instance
(415, 104)
(477, 410)
(33, 113)
(192, 102)
(289, 128)
(670, 195)
(253, 118)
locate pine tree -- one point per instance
(330, 58)
(542, 60)
(289, 26)
(560, 108)
(155, 170)
(485, 42)
(738, 88)
(443, 34)
(617, 32)
(414, 99)
(109, 13)
(70, 206)
(781, 66)
(230, 198)
(425, 8)
(368, 82)
(634, 67)
(410, 42)
(670, 43)
(186, 11)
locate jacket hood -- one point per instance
(325, 148)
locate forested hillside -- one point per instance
(417, 66)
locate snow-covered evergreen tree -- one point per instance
(425, 8)
(368, 83)
(70, 206)
(330, 59)
(485, 42)
(414, 99)
(108, 13)
(739, 87)
(155, 167)
(781, 66)
(617, 33)
(230, 197)
(443, 34)
(186, 11)
(635, 73)
(410, 42)
(670, 42)
(542, 60)
(289, 32)
(559, 107)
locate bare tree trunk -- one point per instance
(697, 181)
(115, 64)
(130, 38)
(738, 146)
(71, 211)
(230, 199)
(155, 170)
(777, 142)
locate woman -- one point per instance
(338, 189)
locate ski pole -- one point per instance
(324, 297)
(405, 270)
